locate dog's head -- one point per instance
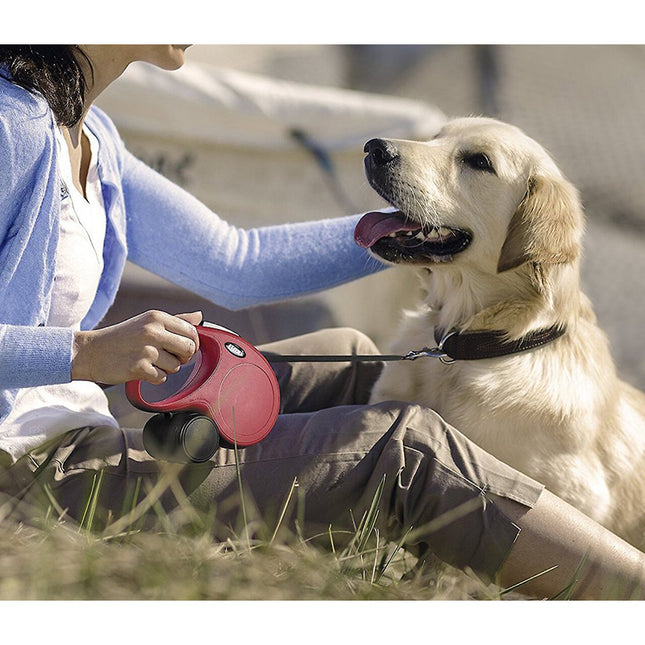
(480, 192)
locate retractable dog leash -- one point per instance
(228, 394)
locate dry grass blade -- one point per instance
(368, 522)
(283, 512)
(518, 585)
(567, 592)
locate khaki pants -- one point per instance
(330, 441)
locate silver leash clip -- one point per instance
(432, 352)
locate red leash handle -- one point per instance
(228, 380)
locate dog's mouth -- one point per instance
(396, 238)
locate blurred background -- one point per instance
(271, 133)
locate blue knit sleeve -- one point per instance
(174, 235)
(32, 356)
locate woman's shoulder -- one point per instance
(25, 118)
(21, 105)
(27, 148)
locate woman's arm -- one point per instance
(174, 235)
(31, 356)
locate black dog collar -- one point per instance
(476, 345)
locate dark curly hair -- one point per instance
(54, 71)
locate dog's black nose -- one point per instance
(381, 151)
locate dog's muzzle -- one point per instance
(398, 237)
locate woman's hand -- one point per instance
(147, 347)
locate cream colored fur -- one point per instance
(559, 413)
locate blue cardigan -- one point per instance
(150, 221)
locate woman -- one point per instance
(73, 205)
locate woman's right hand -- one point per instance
(147, 347)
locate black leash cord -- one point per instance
(348, 358)
(426, 352)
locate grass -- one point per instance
(64, 564)
(58, 559)
(106, 558)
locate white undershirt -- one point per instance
(42, 412)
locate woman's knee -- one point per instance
(307, 386)
(332, 340)
(356, 341)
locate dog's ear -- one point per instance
(546, 227)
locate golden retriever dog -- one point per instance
(495, 231)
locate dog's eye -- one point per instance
(478, 161)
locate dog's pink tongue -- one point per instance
(373, 226)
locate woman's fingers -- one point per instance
(168, 363)
(194, 318)
(172, 341)
(181, 338)
(179, 346)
